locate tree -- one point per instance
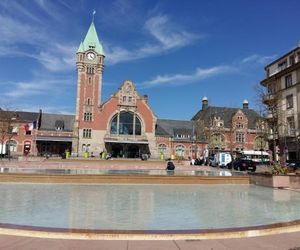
(269, 106)
(6, 130)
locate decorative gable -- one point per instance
(217, 122)
(127, 94)
(239, 120)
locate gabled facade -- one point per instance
(124, 125)
(229, 129)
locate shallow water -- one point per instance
(145, 207)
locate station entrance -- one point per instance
(127, 150)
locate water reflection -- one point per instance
(145, 207)
(121, 172)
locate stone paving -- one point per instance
(289, 241)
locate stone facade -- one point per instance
(282, 95)
(230, 129)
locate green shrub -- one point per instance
(278, 169)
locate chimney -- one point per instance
(245, 104)
(204, 102)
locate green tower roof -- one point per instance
(91, 41)
(80, 49)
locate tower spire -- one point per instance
(91, 40)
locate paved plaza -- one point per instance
(289, 241)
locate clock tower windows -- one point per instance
(90, 70)
(88, 101)
(90, 80)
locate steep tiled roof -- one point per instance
(172, 127)
(226, 115)
(20, 115)
(50, 121)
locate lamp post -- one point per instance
(297, 146)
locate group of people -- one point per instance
(199, 161)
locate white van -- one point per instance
(222, 159)
(2, 149)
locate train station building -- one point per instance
(124, 125)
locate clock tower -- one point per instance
(90, 63)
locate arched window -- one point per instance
(180, 150)
(11, 146)
(129, 124)
(162, 148)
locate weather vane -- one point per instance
(94, 12)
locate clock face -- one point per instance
(90, 56)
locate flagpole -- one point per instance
(94, 12)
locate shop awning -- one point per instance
(125, 141)
(53, 138)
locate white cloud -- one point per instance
(32, 88)
(165, 36)
(203, 73)
(14, 32)
(182, 79)
(49, 8)
(58, 57)
(169, 35)
(258, 59)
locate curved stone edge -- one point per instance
(65, 234)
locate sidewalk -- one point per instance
(289, 241)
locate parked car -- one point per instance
(242, 165)
(293, 164)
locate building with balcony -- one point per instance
(282, 85)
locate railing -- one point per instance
(268, 97)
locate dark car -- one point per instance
(242, 165)
(293, 164)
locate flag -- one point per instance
(32, 125)
(15, 130)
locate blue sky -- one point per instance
(176, 52)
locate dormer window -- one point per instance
(239, 125)
(59, 125)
